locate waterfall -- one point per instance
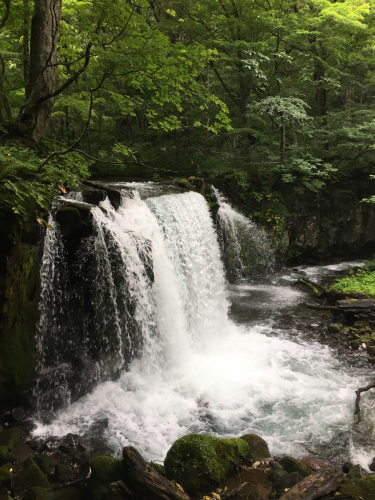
(138, 325)
(246, 249)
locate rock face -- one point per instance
(19, 295)
(198, 461)
(258, 448)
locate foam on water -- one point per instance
(199, 371)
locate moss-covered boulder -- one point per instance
(198, 461)
(5, 476)
(104, 471)
(257, 446)
(10, 437)
(290, 464)
(183, 183)
(5, 456)
(30, 476)
(359, 489)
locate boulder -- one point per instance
(5, 476)
(10, 437)
(372, 465)
(63, 473)
(30, 476)
(258, 447)
(312, 464)
(198, 461)
(359, 489)
(371, 351)
(22, 452)
(356, 472)
(346, 467)
(104, 471)
(290, 464)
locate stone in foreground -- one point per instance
(199, 462)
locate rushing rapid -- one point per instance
(202, 355)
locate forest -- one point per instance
(274, 96)
(187, 249)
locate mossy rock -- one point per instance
(184, 183)
(5, 476)
(198, 461)
(160, 469)
(30, 476)
(371, 351)
(104, 471)
(360, 489)
(290, 464)
(5, 456)
(257, 446)
(43, 462)
(37, 493)
(10, 437)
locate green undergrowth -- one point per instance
(362, 281)
(28, 190)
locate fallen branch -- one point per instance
(358, 392)
(324, 308)
(319, 483)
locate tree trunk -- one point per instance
(42, 73)
(26, 40)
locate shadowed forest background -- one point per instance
(276, 98)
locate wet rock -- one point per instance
(22, 452)
(258, 484)
(354, 344)
(346, 467)
(10, 437)
(275, 465)
(33, 444)
(5, 476)
(286, 482)
(333, 327)
(198, 461)
(30, 476)
(63, 473)
(257, 446)
(100, 425)
(94, 196)
(183, 183)
(356, 472)
(313, 464)
(372, 465)
(276, 475)
(19, 414)
(290, 464)
(5, 456)
(371, 350)
(43, 462)
(104, 471)
(359, 489)
(371, 361)
(65, 450)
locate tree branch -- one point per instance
(226, 88)
(358, 392)
(6, 15)
(71, 148)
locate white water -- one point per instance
(202, 372)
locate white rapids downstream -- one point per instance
(216, 359)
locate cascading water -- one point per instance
(245, 248)
(202, 356)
